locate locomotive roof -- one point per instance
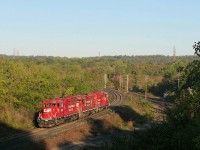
(74, 97)
(53, 100)
(77, 96)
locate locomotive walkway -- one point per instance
(15, 141)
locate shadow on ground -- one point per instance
(102, 131)
(127, 113)
(7, 132)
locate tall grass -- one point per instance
(17, 119)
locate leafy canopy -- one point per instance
(196, 47)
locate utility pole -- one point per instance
(105, 80)
(120, 81)
(127, 83)
(178, 79)
(146, 78)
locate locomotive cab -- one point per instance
(50, 112)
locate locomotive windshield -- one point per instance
(53, 104)
(49, 105)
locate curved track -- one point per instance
(155, 100)
(11, 142)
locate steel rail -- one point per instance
(155, 100)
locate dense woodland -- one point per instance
(26, 81)
(181, 129)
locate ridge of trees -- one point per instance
(181, 129)
(26, 81)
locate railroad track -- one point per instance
(117, 98)
(155, 100)
(11, 142)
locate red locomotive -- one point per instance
(57, 111)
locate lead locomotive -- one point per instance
(59, 110)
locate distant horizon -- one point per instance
(96, 56)
(18, 52)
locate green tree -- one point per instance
(191, 76)
(196, 47)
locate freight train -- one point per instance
(59, 110)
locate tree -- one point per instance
(196, 47)
(191, 75)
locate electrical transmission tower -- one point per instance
(174, 54)
(17, 53)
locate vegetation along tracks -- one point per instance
(116, 99)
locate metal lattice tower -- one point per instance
(174, 54)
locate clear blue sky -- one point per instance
(81, 28)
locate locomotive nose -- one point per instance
(47, 113)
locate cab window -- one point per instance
(60, 105)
